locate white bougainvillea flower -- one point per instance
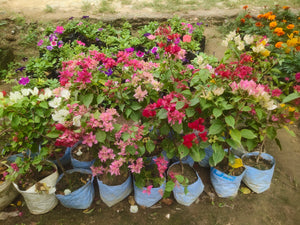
(55, 103)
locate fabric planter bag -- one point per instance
(79, 164)
(225, 185)
(146, 199)
(111, 195)
(40, 203)
(81, 198)
(194, 191)
(7, 192)
(259, 180)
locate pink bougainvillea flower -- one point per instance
(14, 167)
(140, 94)
(151, 37)
(148, 189)
(297, 77)
(162, 165)
(89, 139)
(136, 167)
(187, 38)
(276, 92)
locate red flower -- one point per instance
(60, 127)
(188, 140)
(4, 93)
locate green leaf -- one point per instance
(150, 146)
(291, 97)
(177, 127)
(179, 178)
(197, 154)
(44, 105)
(271, 132)
(53, 134)
(131, 149)
(15, 121)
(135, 106)
(183, 151)
(218, 154)
(230, 121)
(231, 158)
(194, 101)
(128, 112)
(289, 131)
(190, 112)
(236, 135)
(100, 136)
(217, 112)
(125, 136)
(164, 130)
(259, 113)
(87, 99)
(179, 105)
(195, 80)
(246, 108)
(251, 144)
(170, 186)
(162, 114)
(278, 143)
(216, 127)
(135, 116)
(246, 133)
(100, 99)
(232, 143)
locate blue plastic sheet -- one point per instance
(225, 185)
(80, 164)
(66, 158)
(111, 195)
(259, 180)
(148, 200)
(194, 191)
(81, 198)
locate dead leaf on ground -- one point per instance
(167, 201)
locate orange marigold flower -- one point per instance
(284, 21)
(279, 31)
(271, 17)
(285, 7)
(245, 7)
(248, 16)
(290, 26)
(262, 16)
(298, 48)
(279, 44)
(296, 32)
(273, 24)
(259, 24)
(299, 18)
(242, 20)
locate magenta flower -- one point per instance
(162, 165)
(148, 189)
(14, 167)
(105, 154)
(276, 92)
(40, 42)
(136, 168)
(140, 54)
(80, 43)
(24, 81)
(297, 77)
(59, 30)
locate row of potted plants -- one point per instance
(129, 112)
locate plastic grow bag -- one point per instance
(81, 198)
(111, 195)
(40, 203)
(146, 199)
(79, 164)
(7, 192)
(225, 185)
(208, 153)
(66, 158)
(194, 191)
(259, 180)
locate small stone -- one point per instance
(79, 153)
(167, 201)
(134, 209)
(67, 191)
(131, 200)
(168, 216)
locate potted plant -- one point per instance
(173, 119)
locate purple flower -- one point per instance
(100, 29)
(40, 42)
(25, 59)
(85, 17)
(24, 81)
(49, 47)
(140, 54)
(52, 37)
(157, 56)
(109, 72)
(72, 17)
(199, 24)
(60, 44)
(177, 41)
(20, 69)
(129, 49)
(146, 34)
(154, 50)
(97, 39)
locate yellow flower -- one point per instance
(273, 24)
(265, 52)
(282, 105)
(292, 42)
(291, 122)
(212, 81)
(237, 163)
(291, 109)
